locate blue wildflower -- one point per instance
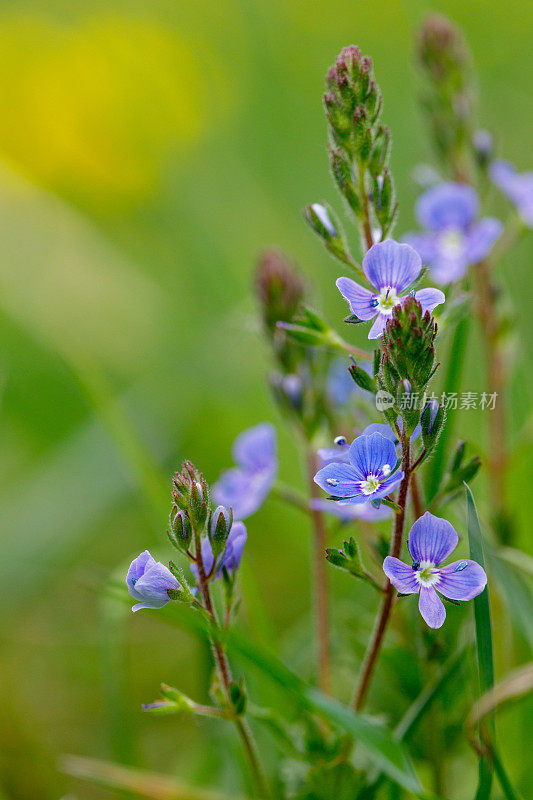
(455, 238)
(244, 487)
(518, 187)
(230, 558)
(148, 581)
(432, 540)
(367, 474)
(391, 268)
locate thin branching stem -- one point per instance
(374, 646)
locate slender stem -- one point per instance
(496, 375)
(321, 580)
(224, 671)
(374, 646)
(416, 497)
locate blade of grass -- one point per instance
(149, 785)
(483, 640)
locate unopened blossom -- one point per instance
(230, 558)
(431, 541)
(518, 186)
(244, 487)
(455, 238)
(148, 581)
(390, 268)
(368, 473)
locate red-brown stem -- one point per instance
(374, 646)
(416, 497)
(224, 672)
(320, 581)
(497, 458)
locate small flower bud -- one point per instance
(320, 220)
(180, 532)
(220, 524)
(483, 142)
(431, 422)
(362, 378)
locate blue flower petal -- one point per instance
(431, 607)
(255, 448)
(432, 539)
(449, 205)
(364, 511)
(517, 186)
(461, 580)
(358, 298)
(425, 244)
(429, 298)
(368, 454)
(400, 575)
(379, 326)
(390, 263)
(339, 479)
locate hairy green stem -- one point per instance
(224, 672)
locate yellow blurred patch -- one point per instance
(92, 111)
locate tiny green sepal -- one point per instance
(362, 379)
(391, 504)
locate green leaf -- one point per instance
(483, 637)
(516, 591)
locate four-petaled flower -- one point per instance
(230, 558)
(431, 540)
(391, 268)
(518, 186)
(454, 238)
(367, 474)
(148, 581)
(244, 487)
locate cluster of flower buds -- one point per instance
(443, 54)
(190, 493)
(294, 331)
(407, 364)
(359, 152)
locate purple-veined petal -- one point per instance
(339, 479)
(462, 580)
(138, 567)
(255, 448)
(425, 245)
(449, 205)
(480, 239)
(383, 428)
(369, 454)
(390, 263)
(345, 512)
(388, 486)
(359, 298)
(432, 539)
(429, 298)
(431, 607)
(400, 575)
(378, 327)
(151, 587)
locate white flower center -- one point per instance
(386, 300)
(426, 574)
(451, 242)
(371, 485)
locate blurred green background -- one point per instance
(148, 152)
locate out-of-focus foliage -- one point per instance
(148, 151)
